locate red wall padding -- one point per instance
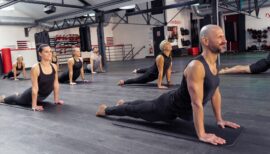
(6, 60)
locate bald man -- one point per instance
(200, 84)
(161, 67)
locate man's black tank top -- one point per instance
(181, 100)
(45, 82)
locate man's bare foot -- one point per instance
(121, 83)
(134, 71)
(120, 102)
(101, 110)
(2, 98)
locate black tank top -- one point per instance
(181, 98)
(19, 68)
(45, 82)
(77, 68)
(153, 70)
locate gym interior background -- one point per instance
(128, 33)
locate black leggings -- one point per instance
(141, 70)
(11, 74)
(64, 77)
(146, 77)
(24, 99)
(152, 110)
(260, 66)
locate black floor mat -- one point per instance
(180, 129)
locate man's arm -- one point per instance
(195, 76)
(216, 104)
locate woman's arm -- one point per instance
(82, 71)
(160, 64)
(14, 69)
(56, 87)
(70, 70)
(24, 72)
(100, 65)
(34, 79)
(168, 75)
(92, 64)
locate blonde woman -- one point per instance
(75, 68)
(17, 68)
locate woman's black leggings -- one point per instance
(23, 99)
(141, 70)
(146, 77)
(11, 74)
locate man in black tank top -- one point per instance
(200, 83)
(161, 67)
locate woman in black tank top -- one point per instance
(75, 68)
(17, 68)
(161, 67)
(44, 81)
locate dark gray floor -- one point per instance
(73, 128)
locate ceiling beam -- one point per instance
(84, 2)
(85, 9)
(50, 3)
(9, 3)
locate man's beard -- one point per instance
(215, 50)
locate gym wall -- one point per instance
(258, 24)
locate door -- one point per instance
(158, 36)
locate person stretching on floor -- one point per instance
(95, 62)
(44, 80)
(200, 83)
(17, 68)
(260, 66)
(162, 66)
(75, 68)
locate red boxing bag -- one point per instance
(6, 59)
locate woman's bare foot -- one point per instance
(2, 98)
(134, 71)
(101, 110)
(120, 102)
(121, 83)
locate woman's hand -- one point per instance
(38, 108)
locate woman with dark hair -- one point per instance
(44, 80)
(17, 68)
(75, 68)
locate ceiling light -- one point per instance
(128, 7)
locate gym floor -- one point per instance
(74, 128)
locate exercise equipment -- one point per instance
(180, 129)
